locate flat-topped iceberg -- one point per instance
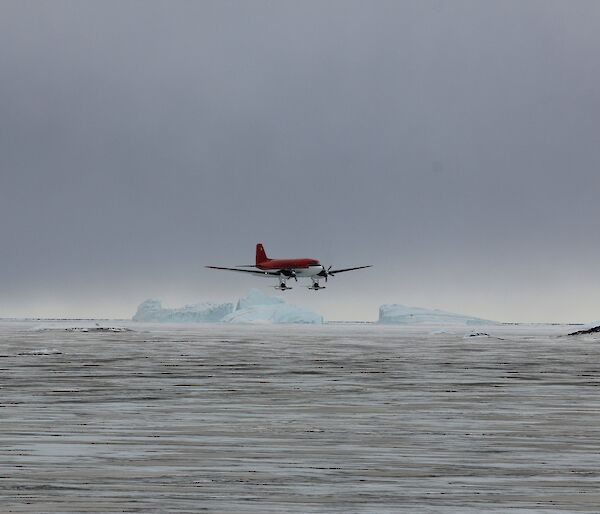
(152, 310)
(402, 315)
(256, 307)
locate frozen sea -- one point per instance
(303, 419)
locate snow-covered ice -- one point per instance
(403, 315)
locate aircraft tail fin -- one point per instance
(261, 255)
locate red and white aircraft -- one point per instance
(285, 269)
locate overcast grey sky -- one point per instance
(455, 145)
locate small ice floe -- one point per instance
(85, 328)
(201, 481)
(476, 334)
(42, 351)
(439, 332)
(98, 329)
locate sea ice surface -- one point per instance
(265, 419)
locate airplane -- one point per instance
(284, 269)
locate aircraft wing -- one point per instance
(254, 272)
(334, 271)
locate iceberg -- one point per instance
(152, 310)
(402, 315)
(256, 307)
(256, 297)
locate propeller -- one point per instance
(325, 273)
(289, 273)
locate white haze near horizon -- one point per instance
(453, 145)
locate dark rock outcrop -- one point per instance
(593, 330)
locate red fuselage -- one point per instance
(287, 267)
(275, 264)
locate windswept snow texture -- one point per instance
(258, 307)
(402, 315)
(152, 310)
(299, 419)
